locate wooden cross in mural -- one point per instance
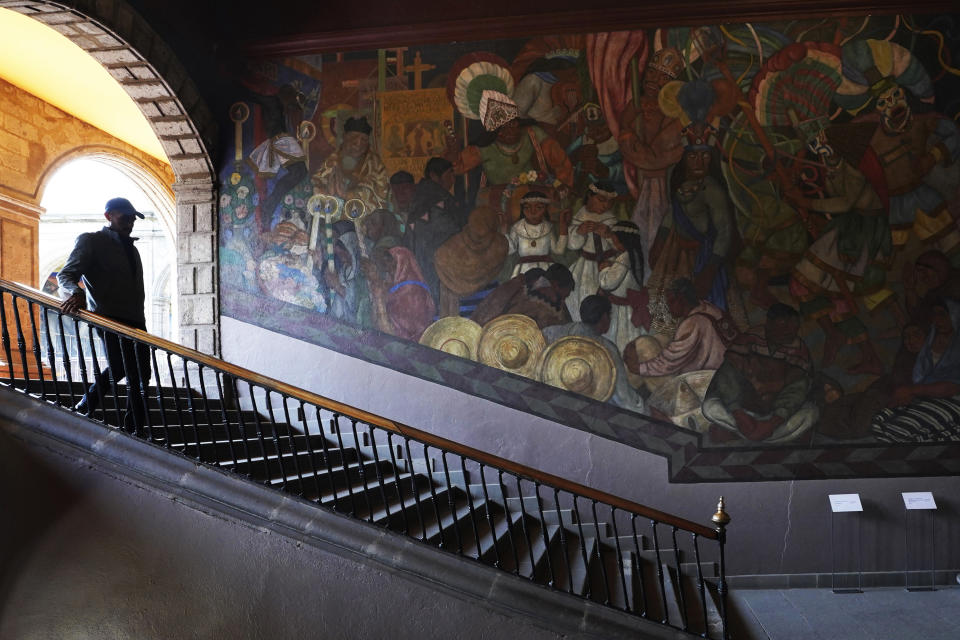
(417, 69)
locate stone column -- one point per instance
(197, 277)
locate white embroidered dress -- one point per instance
(530, 241)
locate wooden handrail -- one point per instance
(370, 418)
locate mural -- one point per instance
(725, 244)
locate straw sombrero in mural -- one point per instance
(580, 365)
(454, 335)
(513, 343)
(681, 396)
(648, 347)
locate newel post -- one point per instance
(721, 518)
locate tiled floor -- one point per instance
(820, 614)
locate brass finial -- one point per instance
(721, 518)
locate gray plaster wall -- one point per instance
(778, 527)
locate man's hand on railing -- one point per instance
(76, 302)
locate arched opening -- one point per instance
(184, 204)
(73, 199)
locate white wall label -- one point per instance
(918, 500)
(841, 502)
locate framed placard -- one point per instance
(844, 502)
(918, 500)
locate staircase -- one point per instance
(540, 528)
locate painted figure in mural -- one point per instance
(537, 294)
(282, 114)
(109, 265)
(703, 334)
(928, 279)
(762, 391)
(402, 188)
(926, 409)
(594, 314)
(620, 280)
(591, 234)
(436, 216)
(846, 416)
(351, 299)
(595, 153)
(650, 141)
(917, 153)
(470, 260)
(697, 239)
(401, 303)
(286, 269)
(532, 238)
(354, 170)
(512, 146)
(849, 260)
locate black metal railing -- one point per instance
(520, 520)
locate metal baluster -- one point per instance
(5, 335)
(223, 414)
(361, 467)
(193, 412)
(67, 367)
(97, 375)
(259, 429)
(623, 577)
(376, 463)
(176, 404)
(328, 469)
(21, 346)
(700, 587)
(80, 357)
(51, 355)
(163, 410)
(498, 563)
(292, 443)
(526, 530)
(311, 454)
(636, 547)
(327, 463)
(433, 495)
(563, 539)
(144, 386)
(583, 547)
(126, 371)
(452, 502)
(546, 535)
(663, 589)
(206, 412)
(399, 486)
(683, 597)
(416, 491)
(268, 403)
(335, 425)
(603, 566)
(506, 511)
(721, 518)
(36, 349)
(473, 514)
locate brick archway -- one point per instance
(131, 51)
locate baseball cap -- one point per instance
(123, 206)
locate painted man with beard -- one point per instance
(355, 170)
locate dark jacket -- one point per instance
(112, 277)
